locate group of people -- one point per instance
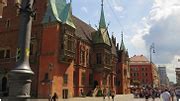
(164, 94)
(108, 93)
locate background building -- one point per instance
(178, 76)
(142, 72)
(164, 80)
(67, 55)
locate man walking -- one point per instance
(166, 95)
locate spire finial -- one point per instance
(102, 3)
(102, 23)
(122, 34)
(122, 47)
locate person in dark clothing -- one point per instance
(54, 97)
(147, 93)
(82, 93)
(104, 93)
(112, 94)
(153, 95)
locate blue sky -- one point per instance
(143, 22)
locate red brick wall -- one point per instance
(50, 54)
(140, 77)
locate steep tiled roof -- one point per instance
(102, 35)
(139, 58)
(113, 48)
(83, 30)
(59, 10)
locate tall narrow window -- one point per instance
(87, 57)
(74, 78)
(2, 54)
(8, 24)
(70, 43)
(83, 79)
(82, 57)
(90, 79)
(65, 79)
(107, 59)
(5, 53)
(98, 58)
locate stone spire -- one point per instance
(122, 47)
(102, 35)
(102, 23)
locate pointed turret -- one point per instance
(102, 35)
(122, 47)
(102, 23)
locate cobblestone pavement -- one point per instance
(128, 97)
(143, 99)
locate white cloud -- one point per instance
(141, 2)
(116, 5)
(84, 9)
(138, 41)
(161, 26)
(118, 8)
(163, 8)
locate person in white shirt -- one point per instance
(166, 96)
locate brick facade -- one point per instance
(63, 58)
(142, 72)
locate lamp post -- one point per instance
(152, 50)
(48, 80)
(20, 76)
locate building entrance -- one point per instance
(65, 93)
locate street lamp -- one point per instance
(152, 50)
(48, 80)
(20, 76)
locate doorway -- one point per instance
(95, 84)
(65, 93)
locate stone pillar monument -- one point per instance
(20, 76)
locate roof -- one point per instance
(122, 47)
(113, 49)
(83, 30)
(102, 23)
(58, 10)
(101, 36)
(139, 59)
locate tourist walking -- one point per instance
(104, 93)
(172, 93)
(112, 94)
(147, 94)
(153, 94)
(54, 97)
(109, 93)
(165, 96)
